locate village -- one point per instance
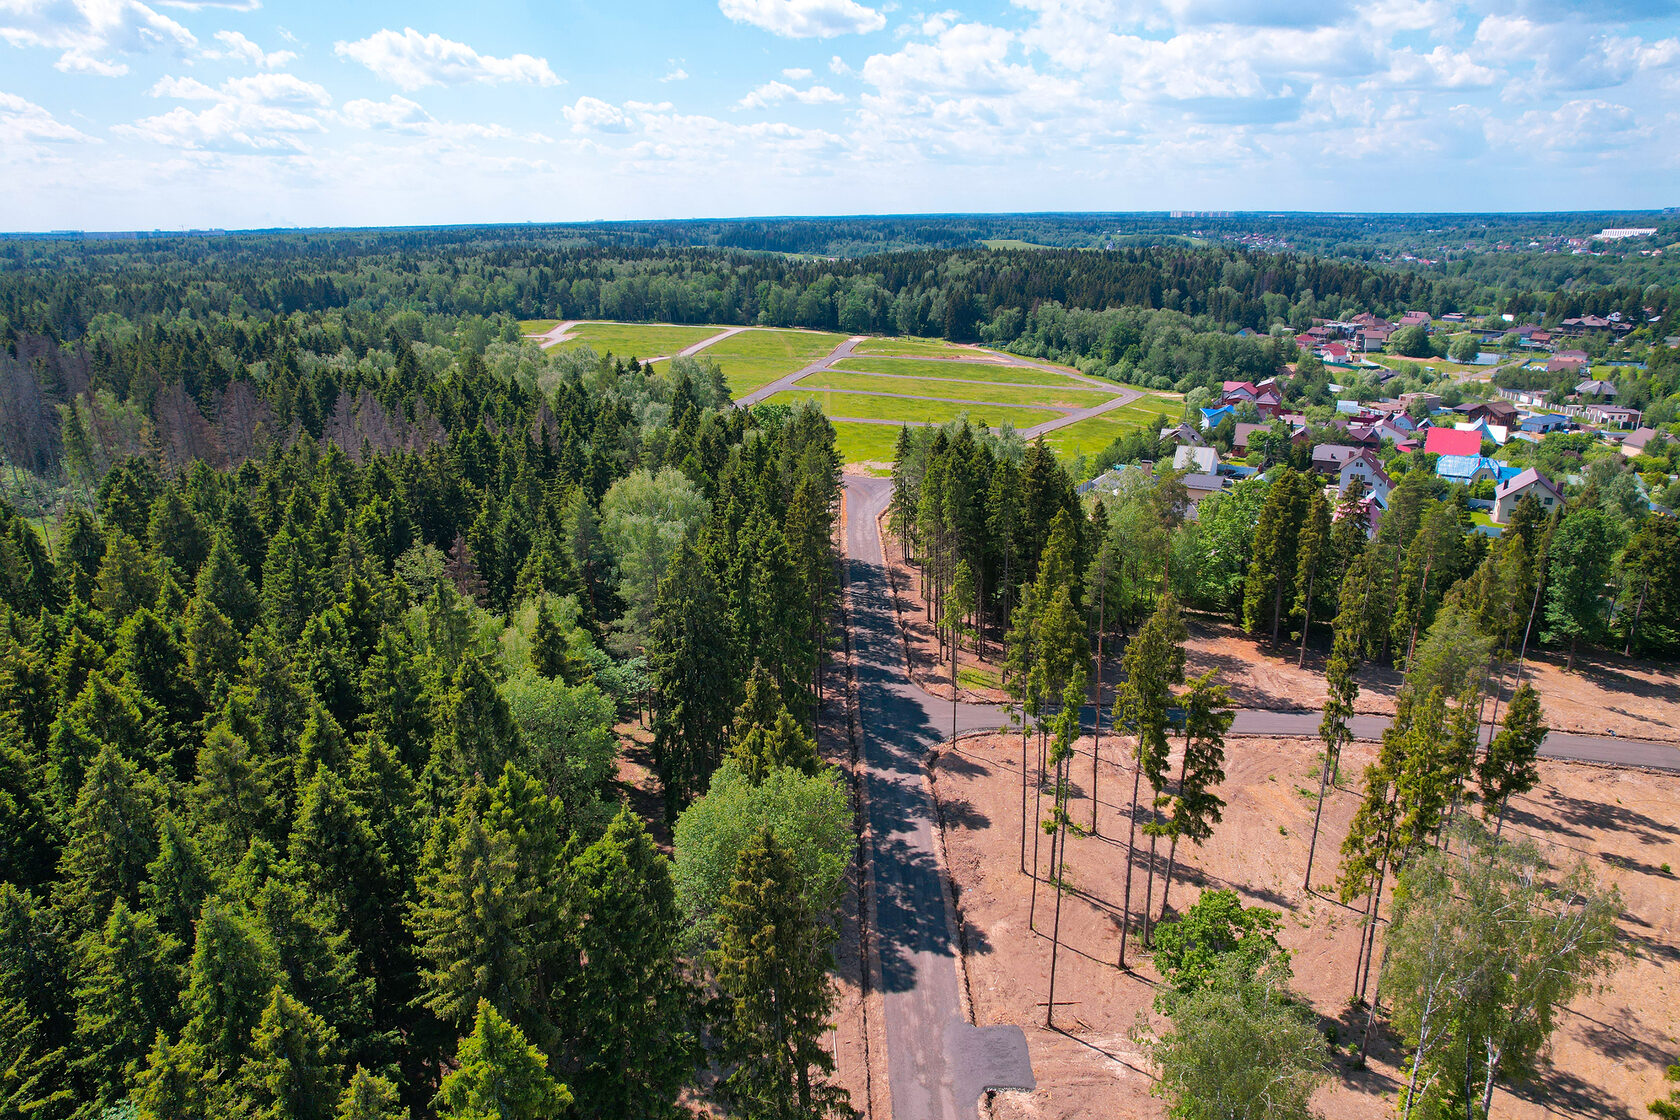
(1479, 442)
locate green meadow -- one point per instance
(860, 407)
(1054, 396)
(637, 340)
(995, 372)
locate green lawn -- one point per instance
(537, 326)
(793, 348)
(959, 390)
(746, 374)
(913, 348)
(859, 407)
(865, 443)
(637, 340)
(1011, 243)
(995, 372)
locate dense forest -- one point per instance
(307, 739)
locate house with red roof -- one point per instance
(1448, 441)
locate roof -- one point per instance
(1639, 437)
(1522, 481)
(1206, 482)
(1370, 459)
(1465, 466)
(1337, 453)
(1450, 441)
(1203, 459)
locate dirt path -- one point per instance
(1126, 397)
(690, 351)
(556, 334)
(786, 381)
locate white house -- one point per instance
(1511, 491)
(1368, 469)
(1201, 460)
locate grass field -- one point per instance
(860, 407)
(746, 374)
(537, 326)
(994, 372)
(795, 348)
(865, 443)
(914, 348)
(637, 340)
(1088, 437)
(1065, 395)
(1011, 243)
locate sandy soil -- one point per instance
(927, 667)
(1606, 1060)
(1606, 692)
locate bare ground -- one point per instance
(1606, 693)
(1605, 1061)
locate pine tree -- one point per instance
(232, 802)
(1313, 556)
(291, 1073)
(772, 964)
(127, 580)
(233, 969)
(1508, 768)
(625, 1011)
(32, 1072)
(1276, 540)
(476, 734)
(335, 858)
(177, 883)
(1153, 663)
(1342, 688)
(1195, 808)
(224, 582)
(498, 1075)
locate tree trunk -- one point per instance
(1038, 802)
(1023, 787)
(1318, 814)
(1131, 853)
(1166, 883)
(1306, 626)
(1637, 608)
(1056, 922)
(1569, 666)
(1149, 885)
(1096, 731)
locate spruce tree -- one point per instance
(1195, 808)
(626, 1013)
(233, 970)
(498, 1075)
(370, 1097)
(112, 838)
(691, 654)
(224, 583)
(291, 1073)
(772, 964)
(126, 994)
(1508, 768)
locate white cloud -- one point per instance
(411, 60)
(88, 32)
(774, 93)
(591, 114)
(265, 113)
(676, 73)
(214, 5)
(237, 48)
(400, 115)
(24, 122)
(796, 73)
(805, 19)
(1583, 127)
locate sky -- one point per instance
(171, 114)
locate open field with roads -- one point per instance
(1066, 395)
(861, 406)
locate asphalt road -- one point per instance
(937, 1064)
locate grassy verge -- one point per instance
(859, 407)
(1066, 395)
(913, 348)
(538, 326)
(1088, 437)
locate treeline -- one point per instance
(307, 800)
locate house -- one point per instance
(1367, 468)
(1511, 491)
(1451, 441)
(1327, 458)
(1430, 401)
(1211, 417)
(1268, 400)
(1595, 387)
(1199, 487)
(1498, 433)
(1636, 441)
(1610, 416)
(1494, 411)
(1239, 442)
(1335, 352)
(1201, 460)
(1415, 319)
(1466, 470)
(1235, 391)
(1544, 422)
(1183, 433)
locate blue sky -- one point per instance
(120, 114)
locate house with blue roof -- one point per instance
(1212, 416)
(1545, 422)
(1467, 470)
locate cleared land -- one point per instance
(637, 340)
(793, 348)
(746, 374)
(918, 348)
(995, 372)
(1605, 1060)
(1067, 394)
(866, 443)
(537, 326)
(857, 406)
